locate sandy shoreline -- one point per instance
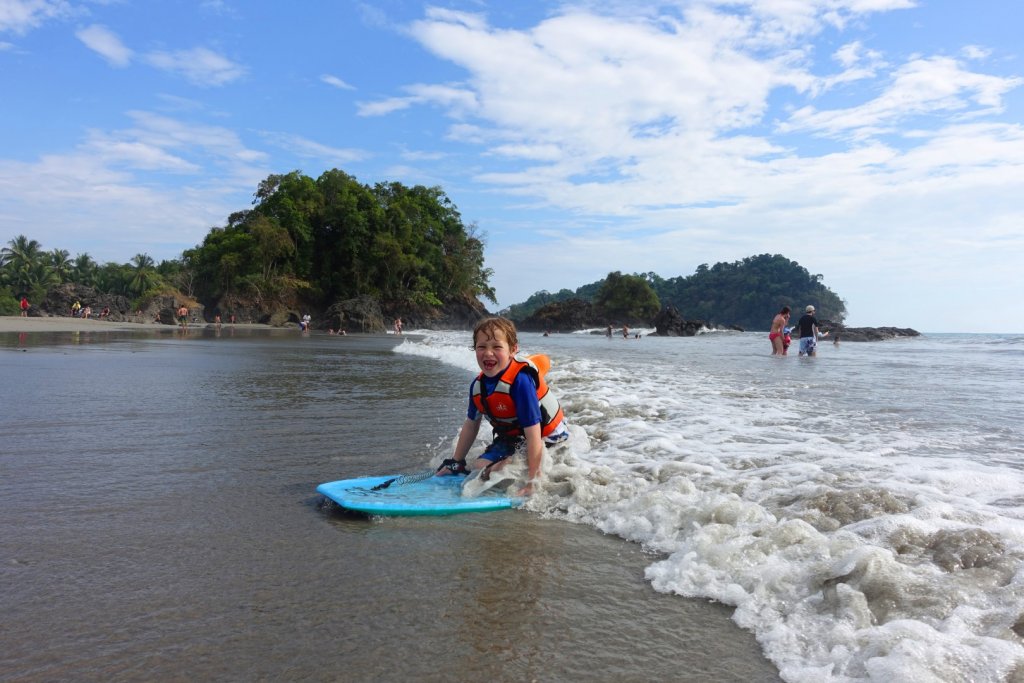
(54, 329)
(14, 323)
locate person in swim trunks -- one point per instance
(777, 332)
(809, 333)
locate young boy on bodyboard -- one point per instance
(511, 393)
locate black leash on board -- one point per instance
(454, 466)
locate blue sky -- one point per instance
(879, 143)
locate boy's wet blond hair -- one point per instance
(491, 327)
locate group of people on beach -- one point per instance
(780, 337)
(85, 313)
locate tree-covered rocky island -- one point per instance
(356, 256)
(352, 254)
(741, 295)
(744, 295)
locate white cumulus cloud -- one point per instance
(105, 43)
(200, 66)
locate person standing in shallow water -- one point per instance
(809, 333)
(778, 332)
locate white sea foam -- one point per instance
(854, 507)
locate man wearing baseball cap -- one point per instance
(809, 334)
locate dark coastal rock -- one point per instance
(575, 314)
(562, 316)
(164, 309)
(669, 322)
(461, 313)
(276, 313)
(361, 314)
(864, 334)
(58, 302)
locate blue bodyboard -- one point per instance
(432, 496)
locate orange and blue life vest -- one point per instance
(498, 405)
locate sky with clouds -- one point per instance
(879, 143)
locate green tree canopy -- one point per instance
(336, 238)
(750, 292)
(627, 297)
(25, 269)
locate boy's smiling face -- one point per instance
(493, 353)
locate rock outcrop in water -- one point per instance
(365, 314)
(863, 334)
(577, 314)
(562, 316)
(670, 323)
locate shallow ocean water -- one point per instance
(861, 510)
(159, 521)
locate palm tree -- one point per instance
(84, 270)
(60, 260)
(144, 276)
(20, 252)
(25, 268)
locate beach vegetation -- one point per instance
(27, 270)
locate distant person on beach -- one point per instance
(809, 333)
(625, 331)
(105, 313)
(304, 325)
(183, 316)
(87, 312)
(76, 309)
(24, 307)
(398, 326)
(512, 394)
(608, 333)
(777, 333)
(216, 319)
(231, 319)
